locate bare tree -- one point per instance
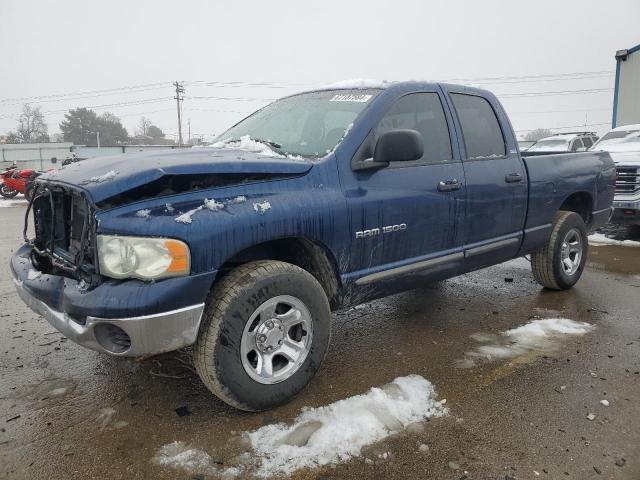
(143, 127)
(537, 134)
(31, 127)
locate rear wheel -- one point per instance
(7, 192)
(559, 264)
(265, 332)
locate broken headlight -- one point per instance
(143, 258)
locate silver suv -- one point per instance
(565, 142)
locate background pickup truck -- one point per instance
(319, 200)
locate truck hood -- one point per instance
(626, 158)
(156, 173)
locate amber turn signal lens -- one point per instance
(180, 257)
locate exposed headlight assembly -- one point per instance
(143, 258)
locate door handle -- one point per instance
(449, 185)
(513, 178)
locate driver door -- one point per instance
(408, 217)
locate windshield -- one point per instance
(550, 145)
(309, 125)
(619, 141)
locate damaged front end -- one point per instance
(65, 233)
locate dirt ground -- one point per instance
(70, 413)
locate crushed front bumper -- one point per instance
(123, 318)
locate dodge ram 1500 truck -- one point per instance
(319, 200)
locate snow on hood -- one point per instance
(105, 177)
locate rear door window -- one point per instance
(480, 127)
(422, 112)
(577, 143)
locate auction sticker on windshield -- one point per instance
(350, 98)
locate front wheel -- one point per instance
(264, 333)
(560, 263)
(7, 192)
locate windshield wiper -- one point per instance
(274, 145)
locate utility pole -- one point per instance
(189, 123)
(179, 98)
(98, 139)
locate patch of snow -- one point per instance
(213, 205)
(237, 200)
(262, 207)
(13, 203)
(537, 335)
(57, 392)
(336, 432)
(104, 417)
(143, 213)
(33, 274)
(604, 403)
(110, 175)
(356, 84)
(186, 217)
(247, 144)
(169, 208)
(180, 456)
(600, 239)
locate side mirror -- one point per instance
(398, 146)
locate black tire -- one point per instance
(546, 263)
(7, 192)
(217, 352)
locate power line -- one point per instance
(110, 91)
(567, 126)
(553, 93)
(109, 105)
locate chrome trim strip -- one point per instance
(490, 246)
(149, 334)
(539, 227)
(412, 267)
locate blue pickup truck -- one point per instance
(318, 201)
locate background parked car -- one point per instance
(524, 145)
(565, 142)
(623, 144)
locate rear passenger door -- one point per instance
(496, 191)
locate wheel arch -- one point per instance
(312, 256)
(580, 203)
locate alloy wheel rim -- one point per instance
(571, 252)
(276, 339)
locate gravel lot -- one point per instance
(537, 412)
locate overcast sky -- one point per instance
(66, 47)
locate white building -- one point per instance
(45, 156)
(626, 97)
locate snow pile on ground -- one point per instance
(247, 144)
(318, 436)
(538, 335)
(337, 432)
(600, 239)
(110, 175)
(180, 456)
(13, 203)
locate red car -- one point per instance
(14, 181)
